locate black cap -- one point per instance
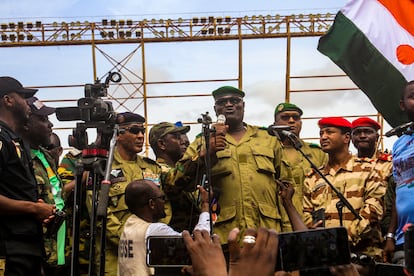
(10, 85)
(39, 108)
(128, 118)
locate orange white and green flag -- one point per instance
(373, 43)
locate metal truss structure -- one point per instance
(142, 32)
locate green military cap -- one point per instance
(160, 130)
(287, 107)
(227, 90)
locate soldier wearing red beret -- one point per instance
(365, 138)
(358, 181)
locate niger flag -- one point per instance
(373, 43)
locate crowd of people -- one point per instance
(241, 182)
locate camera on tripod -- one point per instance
(94, 112)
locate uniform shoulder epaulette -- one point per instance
(150, 161)
(385, 157)
(262, 128)
(314, 145)
(199, 135)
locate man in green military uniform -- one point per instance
(38, 132)
(288, 114)
(127, 166)
(357, 179)
(165, 140)
(245, 165)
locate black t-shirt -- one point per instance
(19, 234)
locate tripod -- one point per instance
(97, 162)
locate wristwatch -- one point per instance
(389, 236)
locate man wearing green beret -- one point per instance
(288, 114)
(127, 166)
(245, 164)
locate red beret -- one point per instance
(365, 122)
(334, 121)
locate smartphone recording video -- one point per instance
(167, 251)
(313, 249)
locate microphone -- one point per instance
(221, 119)
(399, 130)
(275, 130)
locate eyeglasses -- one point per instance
(134, 129)
(232, 100)
(286, 117)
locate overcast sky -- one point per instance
(263, 60)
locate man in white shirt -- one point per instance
(146, 203)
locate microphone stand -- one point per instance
(206, 121)
(343, 202)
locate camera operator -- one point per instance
(21, 210)
(127, 166)
(37, 133)
(146, 203)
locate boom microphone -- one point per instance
(399, 130)
(275, 130)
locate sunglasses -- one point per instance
(134, 129)
(232, 100)
(286, 117)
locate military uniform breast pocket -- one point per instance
(264, 158)
(222, 167)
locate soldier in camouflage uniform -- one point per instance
(357, 179)
(365, 139)
(290, 115)
(126, 167)
(245, 164)
(38, 132)
(165, 140)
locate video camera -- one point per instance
(94, 112)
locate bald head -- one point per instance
(138, 193)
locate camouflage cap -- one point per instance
(227, 90)
(160, 130)
(287, 107)
(128, 118)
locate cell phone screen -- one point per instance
(167, 251)
(313, 249)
